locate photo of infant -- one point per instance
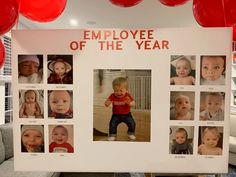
(60, 104)
(181, 140)
(60, 69)
(61, 139)
(212, 106)
(213, 70)
(30, 69)
(182, 70)
(182, 105)
(32, 138)
(210, 140)
(31, 104)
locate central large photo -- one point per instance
(122, 105)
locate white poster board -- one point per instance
(179, 80)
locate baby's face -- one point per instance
(30, 97)
(59, 101)
(120, 90)
(212, 68)
(60, 68)
(183, 104)
(59, 135)
(214, 103)
(210, 139)
(28, 68)
(180, 137)
(32, 139)
(182, 68)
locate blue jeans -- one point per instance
(116, 119)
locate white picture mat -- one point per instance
(104, 156)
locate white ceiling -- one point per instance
(103, 14)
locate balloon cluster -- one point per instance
(36, 10)
(217, 13)
(220, 13)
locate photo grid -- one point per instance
(196, 108)
(46, 103)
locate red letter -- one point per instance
(74, 45)
(150, 34)
(107, 34)
(86, 34)
(165, 44)
(96, 36)
(139, 44)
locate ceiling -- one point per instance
(103, 14)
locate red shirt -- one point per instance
(65, 147)
(119, 105)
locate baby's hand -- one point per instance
(107, 103)
(127, 101)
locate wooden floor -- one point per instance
(102, 116)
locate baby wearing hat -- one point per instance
(28, 69)
(59, 71)
(32, 138)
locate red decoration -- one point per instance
(42, 10)
(8, 14)
(2, 53)
(173, 2)
(125, 3)
(220, 13)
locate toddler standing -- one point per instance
(121, 101)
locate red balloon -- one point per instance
(173, 2)
(2, 53)
(9, 10)
(125, 3)
(42, 10)
(220, 13)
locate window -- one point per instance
(6, 79)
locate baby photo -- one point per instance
(182, 105)
(212, 106)
(122, 105)
(30, 69)
(182, 70)
(32, 138)
(181, 140)
(210, 140)
(213, 70)
(61, 139)
(60, 69)
(31, 104)
(60, 104)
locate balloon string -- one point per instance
(225, 19)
